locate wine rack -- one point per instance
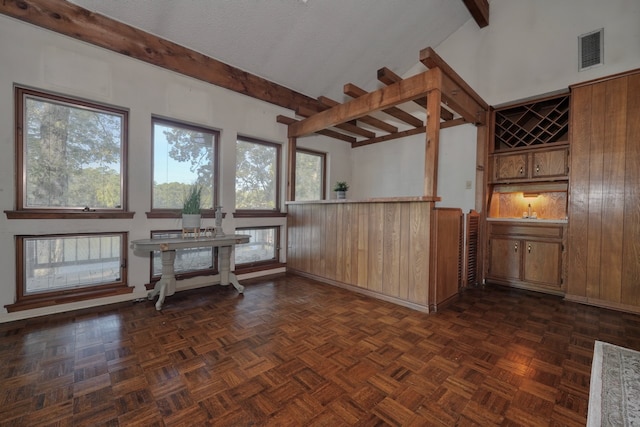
(535, 123)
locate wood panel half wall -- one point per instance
(385, 249)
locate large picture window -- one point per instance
(257, 176)
(310, 172)
(71, 154)
(53, 269)
(183, 155)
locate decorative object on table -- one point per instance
(341, 188)
(217, 230)
(614, 394)
(191, 216)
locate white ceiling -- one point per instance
(311, 46)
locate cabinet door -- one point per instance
(509, 167)
(550, 163)
(542, 263)
(504, 258)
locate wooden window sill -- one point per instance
(68, 214)
(29, 303)
(258, 214)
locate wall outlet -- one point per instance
(467, 185)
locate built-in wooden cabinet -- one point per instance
(529, 161)
(540, 164)
(526, 255)
(604, 200)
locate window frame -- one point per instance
(250, 267)
(277, 211)
(23, 212)
(323, 156)
(177, 213)
(26, 301)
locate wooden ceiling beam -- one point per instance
(382, 99)
(356, 92)
(388, 77)
(391, 136)
(432, 60)
(370, 120)
(326, 132)
(348, 127)
(479, 9)
(76, 22)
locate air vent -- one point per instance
(590, 49)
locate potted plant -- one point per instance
(191, 208)
(341, 188)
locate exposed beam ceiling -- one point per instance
(311, 47)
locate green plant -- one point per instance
(341, 186)
(191, 201)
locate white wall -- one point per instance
(42, 59)
(530, 48)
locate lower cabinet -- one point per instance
(526, 255)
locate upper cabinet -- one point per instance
(539, 164)
(530, 141)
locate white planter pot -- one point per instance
(341, 194)
(191, 221)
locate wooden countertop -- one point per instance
(530, 220)
(372, 200)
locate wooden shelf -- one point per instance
(535, 123)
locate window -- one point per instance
(183, 155)
(257, 176)
(310, 171)
(262, 250)
(71, 154)
(188, 263)
(54, 269)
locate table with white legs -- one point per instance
(166, 286)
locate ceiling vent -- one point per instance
(590, 49)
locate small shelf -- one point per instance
(535, 123)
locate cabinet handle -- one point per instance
(515, 247)
(537, 168)
(529, 248)
(521, 170)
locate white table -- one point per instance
(166, 286)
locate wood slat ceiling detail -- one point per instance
(460, 104)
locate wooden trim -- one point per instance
(291, 170)
(76, 22)
(20, 95)
(68, 214)
(247, 213)
(215, 177)
(65, 299)
(605, 78)
(362, 291)
(62, 296)
(373, 200)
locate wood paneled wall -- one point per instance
(604, 199)
(378, 248)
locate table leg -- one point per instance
(166, 286)
(226, 276)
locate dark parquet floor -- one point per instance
(294, 352)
